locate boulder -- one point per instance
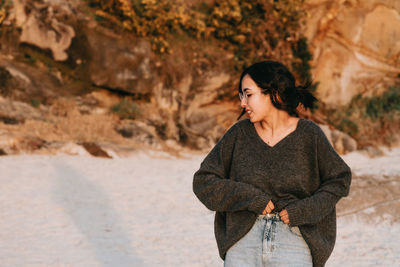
(16, 143)
(8, 142)
(14, 112)
(97, 102)
(28, 143)
(76, 149)
(41, 27)
(121, 62)
(355, 46)
(340, 141)
(140, 132)
(373, 152)
(67, 148)
(95, 150)
(185, 113)
(205, 119)
(24, 82)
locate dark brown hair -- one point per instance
(276, 80)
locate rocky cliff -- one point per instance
(69, 82)
(356, 47)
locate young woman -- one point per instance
(273, 179)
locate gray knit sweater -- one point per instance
(302, 173)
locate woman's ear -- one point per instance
(278, 98)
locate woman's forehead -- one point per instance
(248, 82)
(248, 85)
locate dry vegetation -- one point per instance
(64, 122)
(246, 29)
(371, 121)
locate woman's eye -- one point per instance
(248, 95)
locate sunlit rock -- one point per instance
(356, 47)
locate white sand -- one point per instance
(141, 211)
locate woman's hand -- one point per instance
(270, 206)
(284, 216)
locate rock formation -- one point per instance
(356, 47)
(41, 27)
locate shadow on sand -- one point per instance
(87, 205)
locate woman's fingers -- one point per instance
(270, 205)
(268, 209)
(284, 216)
(283, 213)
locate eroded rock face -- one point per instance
(12, 143)
(120, 62)
(203, 120)
(188, 112)
(356, 47)
(40, 27)
(23, 82)
(14, 112)
(342, 142)
(139, 131)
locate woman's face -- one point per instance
(258, 105)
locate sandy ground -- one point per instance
(141, 211)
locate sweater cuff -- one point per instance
(295, 215)
(259, 203)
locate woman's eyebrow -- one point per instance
(246, 89)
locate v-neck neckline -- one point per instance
(258, 137)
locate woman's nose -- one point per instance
(243, 103)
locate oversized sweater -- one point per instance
(302, 173)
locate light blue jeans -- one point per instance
(270, 242)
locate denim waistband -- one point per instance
(274, 216)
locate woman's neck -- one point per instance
(277, 123)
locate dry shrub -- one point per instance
(371, 120)
(251, 29)
(64, 107)
(126, 109)
(79, 128)
(64, 122)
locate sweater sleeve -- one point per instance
(335, 177)
(216, 190)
